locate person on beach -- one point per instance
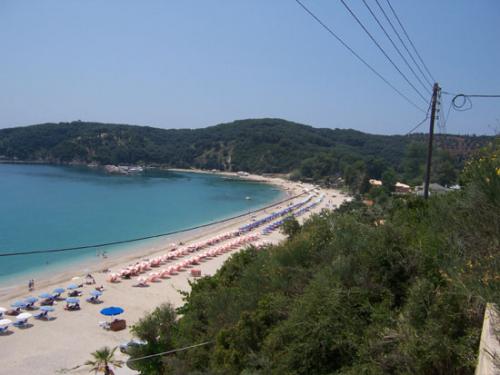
(30, 285)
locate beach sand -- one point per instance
(47, 347)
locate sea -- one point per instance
(46, 207)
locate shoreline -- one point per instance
(15, 287)
(77, 333)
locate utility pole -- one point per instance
(435, 91)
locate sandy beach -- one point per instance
(65, 342)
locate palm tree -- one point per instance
(102, 359)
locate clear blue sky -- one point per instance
(189, 64)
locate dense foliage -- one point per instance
(261, 145)
(398, 288)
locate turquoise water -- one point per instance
(47, 207)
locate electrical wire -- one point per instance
(330, 31)
(462, 102)
(382, 50)
(421, 122)
(409, 39)
(402, 42)
(169, 351)
(426, 88)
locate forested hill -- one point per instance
(258, 145)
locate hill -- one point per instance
(256, 145)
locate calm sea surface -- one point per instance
(47, 207)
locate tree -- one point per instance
(102, 359)
(290, 227)
(389, 179)
(157, 330)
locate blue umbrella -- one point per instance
(30, 299)
(47, 308)
(111, 311)
(72, 300)
(46, 295)
(18, 304)
(59, 290)
(72, 286)
(96, 293)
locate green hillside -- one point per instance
(398, 288)
(259, 145)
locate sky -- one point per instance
(191, 64)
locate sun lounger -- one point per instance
(46, 302)
(104, 324)
(41, 315)
(20, 323)
(72, 307)
(195, 273)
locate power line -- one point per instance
(426, 88)
(421, 122)
(382, 50)
(466, 104)
(169, 351)
(403, 43)
(479, 96)
(84, 247)
(358, 56)
(409, 39)
(418, 125)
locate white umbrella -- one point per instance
(24, 316)
(5, 322)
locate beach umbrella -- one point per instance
(72, 300)
(24, 316)
(47, 308)
(95, 293)
(19, 304)
(59, 290)
(30, 299)
(72, 286)
(112, 311)
(46, 295)
(5, 322)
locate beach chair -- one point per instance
(47, 302)
(13, 312)
(20, 323)
(93, 299)
(72, 307)
(142, 282)
(103, 324)
(41, 315)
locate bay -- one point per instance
(49, 207)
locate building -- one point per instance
(402, 188)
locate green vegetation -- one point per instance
(396, 288)
(102, 359)
(261, 146)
